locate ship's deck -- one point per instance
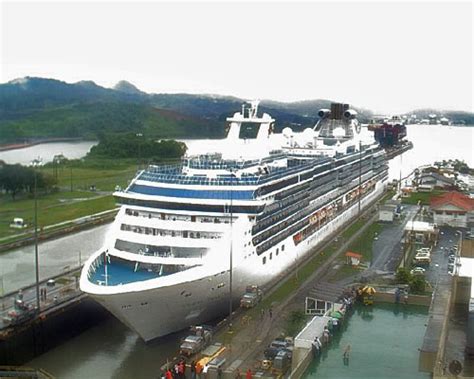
(119, 272)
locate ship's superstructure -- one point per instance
(389, 132)
(166, 261)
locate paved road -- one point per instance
(388, 248)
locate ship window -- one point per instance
(264, 260)
(185, 234)
(282, 247)
(271, 254)
(193, 218)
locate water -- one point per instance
(434, 143)
(384, 343)
(111, 350)
(47, 151)
(17, 267)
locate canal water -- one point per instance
(110, 349)
(384, 342)
(17, 267)
(47, 151)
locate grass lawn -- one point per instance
(104, 179)
(422, 197)
(52, 209)
(363, 244)
(65, 205)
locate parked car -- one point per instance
(418, 271)
(422, 260)
(424, 250)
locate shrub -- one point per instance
(403, 275)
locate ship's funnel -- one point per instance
(324, 113)
(337, 110)
(350, 114)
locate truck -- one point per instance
(199, 338)
(252, 296)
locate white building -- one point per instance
(453, 209)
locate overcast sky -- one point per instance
(390, 57)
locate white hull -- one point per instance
(159, 311)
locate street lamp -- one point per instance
(139, 135)
(230, 253)
(35, 163)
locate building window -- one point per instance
(264, 260)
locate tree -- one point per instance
(403, 275)
(418, 284)
(17, 178)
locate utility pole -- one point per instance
(70, 167)
(139, 135)
(36, 245)
(360, 175)
(230, 255)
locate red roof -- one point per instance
(353, 255)
(453, 198)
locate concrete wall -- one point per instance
(387, 297)
(462, 290)
(38, 336)
(304, 358)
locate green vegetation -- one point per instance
(403, 275)
(52, 209)
(16, 179)
(418, 284)
(132, 145)
(363, 244)
(91, 120)
(422, 197)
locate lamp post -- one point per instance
(230, 252)
(35, 163)
(139, 135)
(360, 176)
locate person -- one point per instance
(270, 312)
(262, 314)
(193, 370)
(237, 375)
(162, 376)
(182, 370)
(198, 370)
(219, 372)
(326, 335)
(345, 355)
(316, 347)
(248, 375)
(169, 374)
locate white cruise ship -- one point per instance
(188, 236)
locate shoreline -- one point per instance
(17, 146)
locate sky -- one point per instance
(390, 57)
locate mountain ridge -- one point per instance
(34, 107)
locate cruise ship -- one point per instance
(189, 237)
